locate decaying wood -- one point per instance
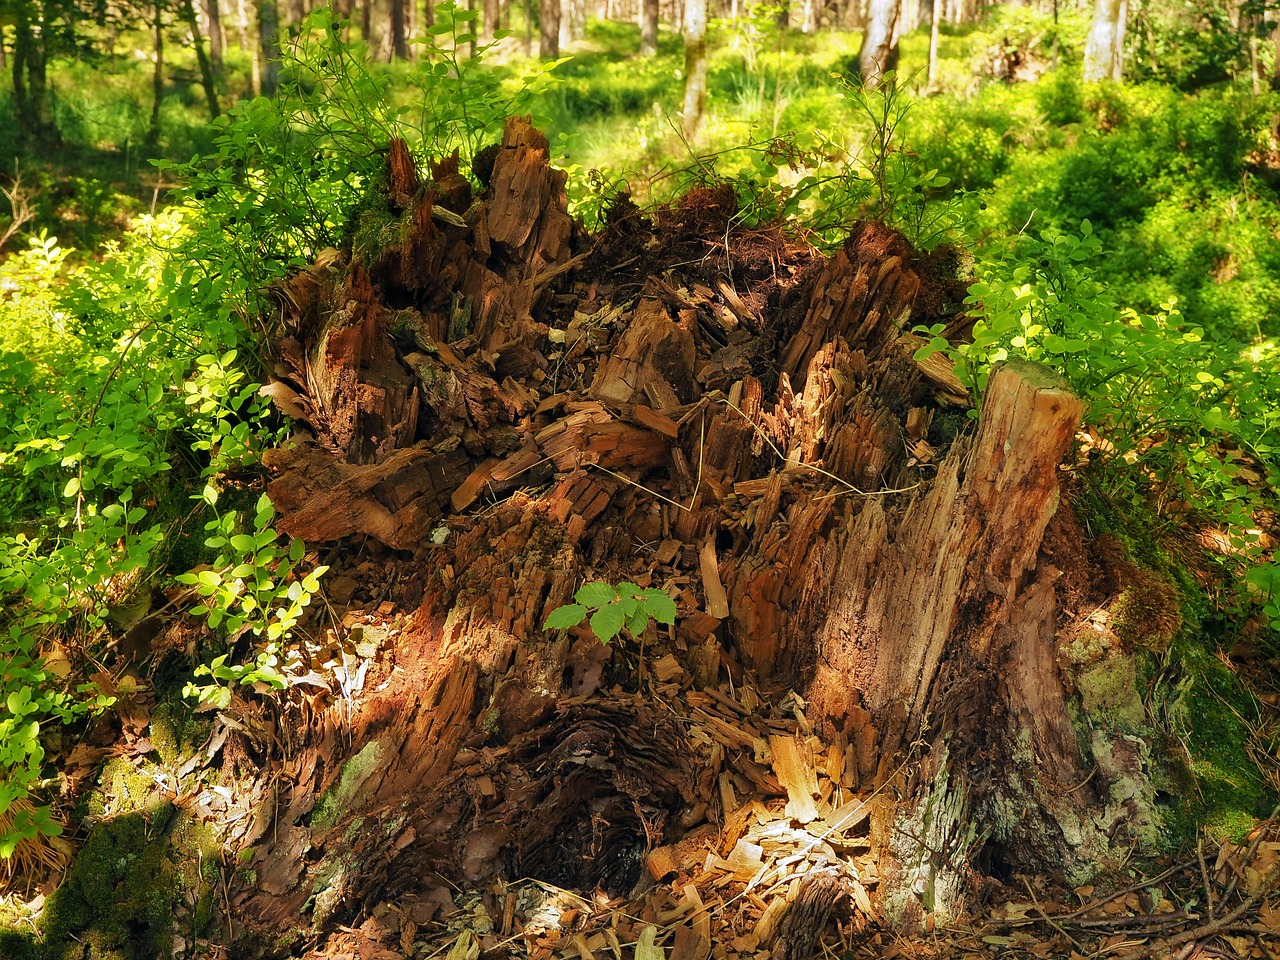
(776, 470)
(395, 501)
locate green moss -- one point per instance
(17, 945)
(1207, 711)
(1171, 692)
(123, 788)
(118, 898)
(375, 229)
(176, 731)
(1148, 613)
(333, 805)
(118, 901)
(1108, 691)
(198, 858)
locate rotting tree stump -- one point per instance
(516, 408)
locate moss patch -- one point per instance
(176, 731)
(337, 799)
(20, 946)
(129, 888)
(1206, 712)
(123, 788)
(117, 901)
(1148, 613)
(1108, 689)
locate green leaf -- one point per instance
(607, 622)
(596, 594)
(659, 606)
(561, 618)
(637, 622)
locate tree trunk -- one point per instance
(572, 21)
(1104, 49)
(820, 534)
(1053, 63)
(216, 40)
(32, 108)
(268, 46)
(648, 27)
(206, 67)
(549, 14)
(22, 43)
(879, 54)
(242, 30)
(933, 43)
(566, 25)
(492, 18)
(1275, 69)
(157, 79)
(695, 65)
(399, 35)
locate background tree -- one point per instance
(573, 16)
(695, 65)
(40, 27)
(936, 14)
(213, 17)
(492, 20)
(1104, 50)
(549, 14)
(188, 12)
(399, 25)
(879, 52)
(157, 74)
(1275, 70)
(648, 27)
(269, 46)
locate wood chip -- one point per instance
(796, 778)
(717, 601)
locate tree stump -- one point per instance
(940, 636)
(835, 533)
